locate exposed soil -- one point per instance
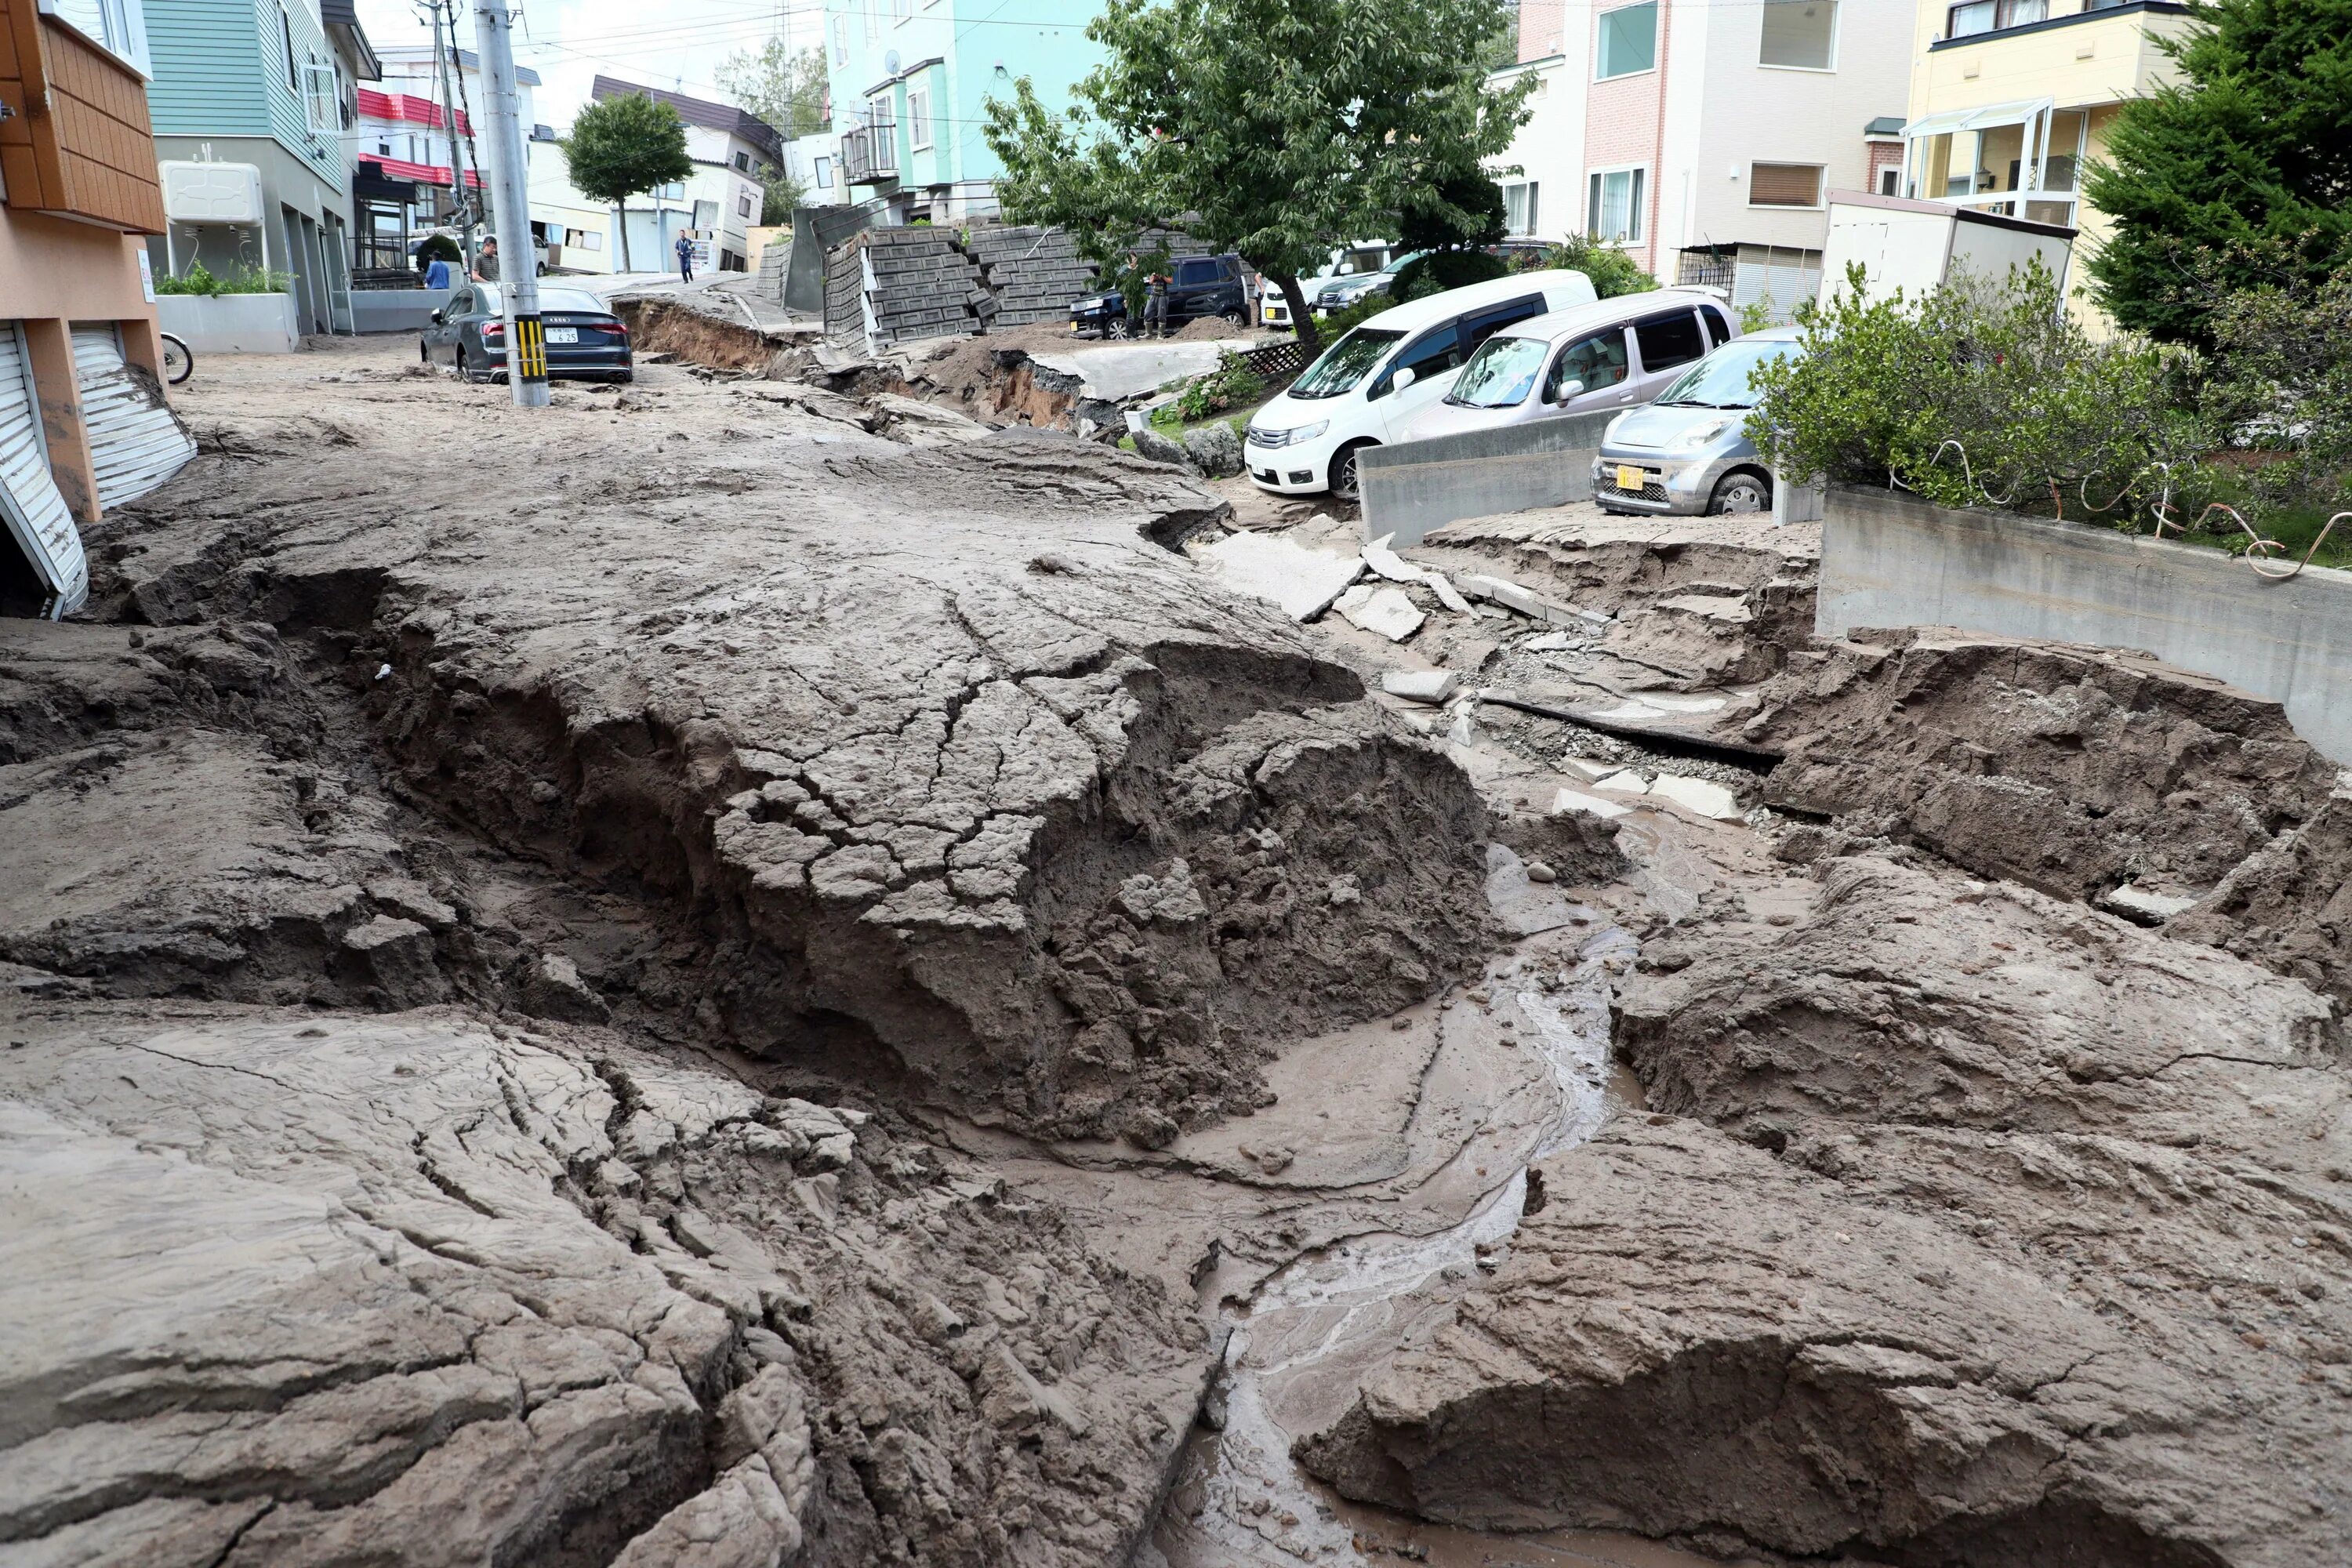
(759, 971)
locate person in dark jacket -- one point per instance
(685, 259)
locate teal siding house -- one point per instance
(272, 84)
(909, 78)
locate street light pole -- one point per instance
(511, 178)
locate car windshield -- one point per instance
(1722, 379)
(1343, 367)
(1500, 374)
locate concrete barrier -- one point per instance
(1895, 561)
(231, 323)
(396, 310)
(1417, 486)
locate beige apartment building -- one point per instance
(2011, 100)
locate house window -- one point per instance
(1800, 35)
(742, 204)
(824, 173)
(383, 148)
(1520, 207)
(1974, 16)
(1615, 209)
(902, 9)
(286, 33)
(873, 19)
(1628, 42)
(918, 120)
(841, 41)
(119, 26)
(1890, 181)
(1784, 185)
(318, 96)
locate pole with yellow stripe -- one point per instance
(511, 192)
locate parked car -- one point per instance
(1198, 286)
(1339, 293)
(1362, 259)
(1592, 359)
(584, 339)
(1365, 389)
(1688, 453)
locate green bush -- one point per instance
(1233, 384)
(200, 280)
(1983, 392)
(1612, 270)
(442, 246)
(2279, 395)
(1442, 269)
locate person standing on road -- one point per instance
(685, 258)
(1155, 305)
(485, 263)
(438, 273)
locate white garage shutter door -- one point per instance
(35, 513)
(135, 442)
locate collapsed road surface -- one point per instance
(734, 974)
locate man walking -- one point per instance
(685, 258)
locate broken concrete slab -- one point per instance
(1432, 686)
(1591, 804)
(1703, 796)
(1625, 781)
(2144, 905)
(1384, 611)
(1303, 581)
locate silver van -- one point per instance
(1588, 359)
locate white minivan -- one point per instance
(1594, 359)
(1366, 388)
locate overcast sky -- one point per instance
(675, 44)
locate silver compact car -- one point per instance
(1688, 453)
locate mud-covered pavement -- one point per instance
(735, 973)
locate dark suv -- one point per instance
(1201, 286)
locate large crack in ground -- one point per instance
(790, 996)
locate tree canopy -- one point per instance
(787, 90)
(2239, 174)
(1277, 129)
(624, 145)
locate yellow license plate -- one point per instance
(1629, 478)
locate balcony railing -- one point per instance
(870, 153)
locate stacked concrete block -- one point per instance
(1033, 273)
(919, 283)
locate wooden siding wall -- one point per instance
(92, 153)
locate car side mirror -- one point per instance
(437, 318)
(1569, 389)
(1404, 378)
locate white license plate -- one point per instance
(562, 334)
(1629, 478)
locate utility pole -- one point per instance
(510, 181)
(458, 212)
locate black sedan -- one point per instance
(584, 339)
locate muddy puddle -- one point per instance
(1299, 1342)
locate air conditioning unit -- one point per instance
(211, 193)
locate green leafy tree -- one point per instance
(1452, 253)
(786, 89)
(2245, 163)
(1277, 129)
(623, 146)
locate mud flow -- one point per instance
(825, 983)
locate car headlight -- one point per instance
(1291, 438)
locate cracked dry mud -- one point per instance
(809, 991)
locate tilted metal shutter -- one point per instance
(33, 509)
(135, 442)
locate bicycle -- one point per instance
(179, 363)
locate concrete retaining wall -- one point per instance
(396, 310)
(1894, 561)
(1421, 485)
(231, 323)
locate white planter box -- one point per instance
(230, 323)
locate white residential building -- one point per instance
(719, 201)
(1703, 138)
